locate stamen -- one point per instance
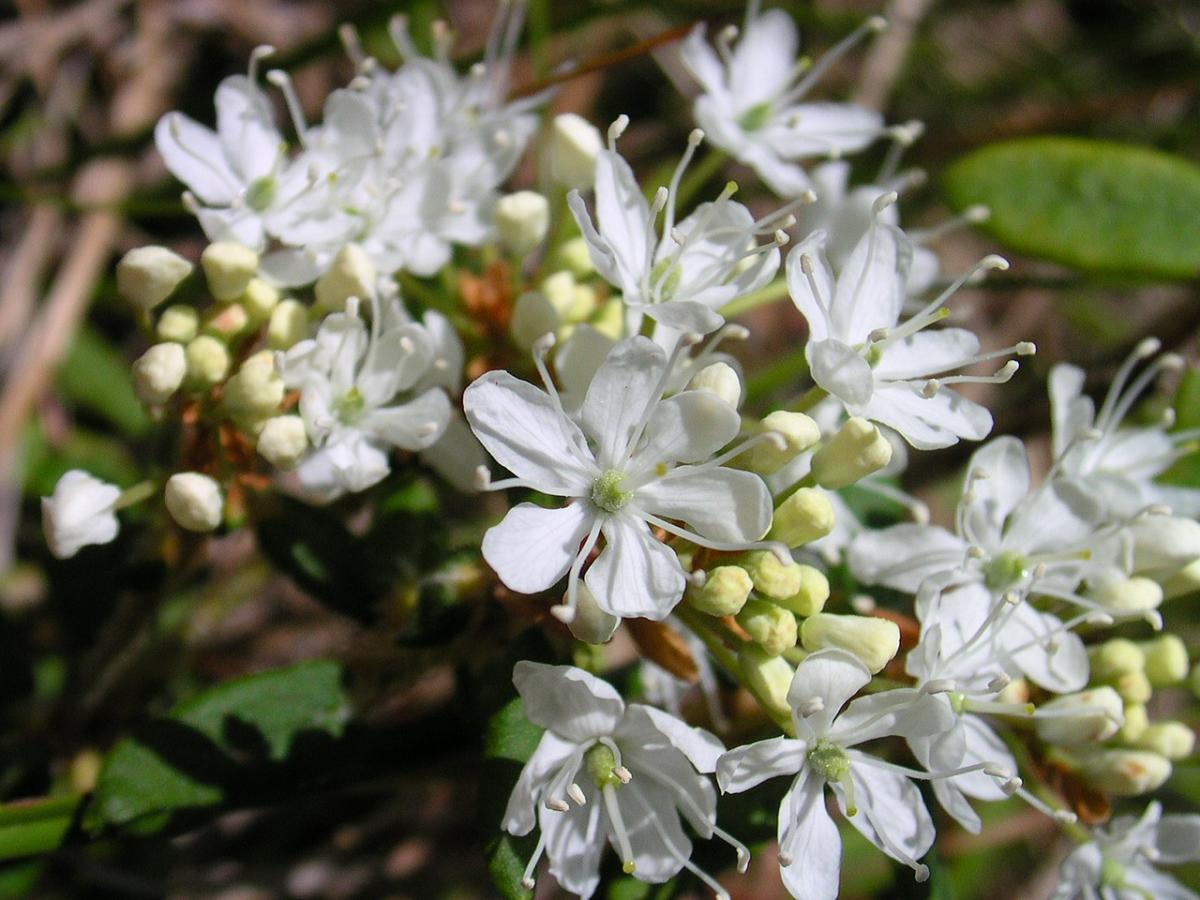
(873, 25)
(616, 129)
(283, 81)
(261, 52)
(527, 881)
(780, 550)
(352, 44)
(618, 826)
(575, 792)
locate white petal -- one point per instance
(244, 123)
(533, 547)
(903, 556)
(927, 353)
(415, 425)
(394, 362)
(456, 455)
(1177, 839)
(983, 745)
(751, 764)
(841, 370)
(764, 59)
(575, 842)
(685, 315)
(927, 423)
(702, 61)
(623, 216)
(821, 128)
(1007, 466)
(689, 427)
(1063, 670)
(656, 835)
(891, 813)
(570, 702)
(635, 574)
(577, 361)
(812, 842)
(906, 712)
(871, 286)
(552, 752)
(720, 504)
(358, 462)
(651, 725)
(831, 676)
(617, 398)
(1070, 410)
(814, 307)
(194, 156)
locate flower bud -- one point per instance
(1125, 773)
(194, 501)
(258, 299)
(803, 517)
(226, 322)
(719, 378)
(768, 678)
(591, 624)
(146, 276)
(723, 593)
(768, 625)
(771, 577)
(1081, 718)
(288, 325)
(814, 591)
(1174, 740)
(533, 316)
(873, 640)
(1162, 545)
(857, 450)
(1134, 687)
(351, 274)
(574, 145)
(256, 390)
(799, 433)
(1131, 595)
(1016, 691)
(228, 267)
(559, 290)
(177, 323)
(1185, 581)
(79, 513)
(1166, 660)
(1112, 659)
(1137, 720)
(283, 441)
(158, 373)
(522, 220)
(207, 361)
(574, 254)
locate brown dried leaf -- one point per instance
(663, 645)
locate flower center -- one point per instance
(756, 116)
(829, 761)
(261, 193)
(351, 405)
(1004, 570)
(600, 762)
(1112, 873)
(607, 493)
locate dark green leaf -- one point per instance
(98, 378)
(510, 741)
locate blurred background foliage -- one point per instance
(299, 709)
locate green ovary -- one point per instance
(1004, 570)
(829, 761)
(599, 762)
(607, 493)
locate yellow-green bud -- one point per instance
(521, 221)
(1131, 595)
(559, 289)
(228, 267)
(814, 591)
(158, 373)
(207, 361)
(288, 325)
(583, 303)
(146, 276)
(1125, 773)
(178, 323)
(533, 316)
(719, 378)
(256, 390)
(723, 593)
(768, 678)
(226, 322)
(769, 625)
(1185, 581)
(351, 274)
(258, 299)
(1166, 660)
(772, 578)
(857, 450)
(610, 320)
(1134, 687)
(1137, 720)
(574, 145)
(1081, 718)
(799, 433)
(1112, 659)
(1174, 740)
(576, 256)
(194, 501)
(283, 441)
(873, 640)
(803, 517)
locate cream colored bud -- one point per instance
(288, 325)
(814, 591)
(1082, 718)
(610, 320)
(1131, 595)
(768, 625)
(771, 577)
(158, 373)
(1125, 773)
(228, 267)
(723, 593)
(351, 274)
(1134, 687)
(873, 640)
(1112, 659)
(1166, 660)
(226, 322)
(194, 501)
(207, 361)
(533, 316)
(768, 677)
(591, 624)
(857, 450)
(559, 289)
(799, 433)
(146, 276)
(1016, 691)
(258, 299)
(1174, 740)
(574, 145)
(584, 302)
(1163, 545)
(719, 378)
(522, 220)
(256, 390)
(575, 255)
(805, 516)
(1185, 581)
(1137, 720)
(283, 441)
(178, 323)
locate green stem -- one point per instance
(776, 290)
(143, 490)
(810, 398)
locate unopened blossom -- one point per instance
(609, 773)
(634, 461)
(877, 797)
(752, 105)
(81, 511)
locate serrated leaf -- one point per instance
(1101, 207)
(98, 378)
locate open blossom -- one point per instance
(606, 772)
(752, 102)
(633, 461)
(81, 511)
(878, 798)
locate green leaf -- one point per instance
(226, 742)
(35, 826)
(98, 378)
(1186, 470)
(510, 741)
(1101, 207)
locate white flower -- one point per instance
(628, 772)
(359, 398)
(879, 370)
(79, 512)
(633, 462)
(877, 797)
(683, 276)
(751, 106)
(1119, 863)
